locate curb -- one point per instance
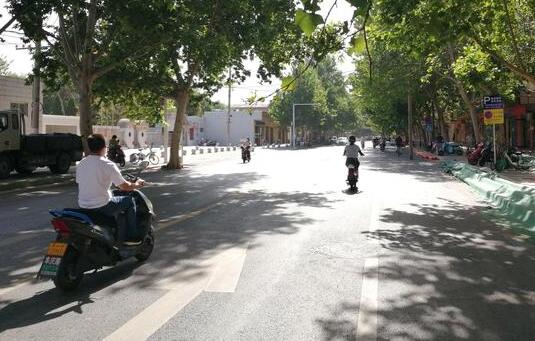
(48, 180)
(515, 201)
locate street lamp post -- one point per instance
(293, 119)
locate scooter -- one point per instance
(352, 177)
(87, 241)
(486, 155)
(474, 155)
(116, 155)
(246, 153)
(452, 148)
(375, 142)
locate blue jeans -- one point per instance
(123, 209)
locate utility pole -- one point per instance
(409, 99)
(228, 112)
(36, 90)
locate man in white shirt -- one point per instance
(94, 175)
(351, 152)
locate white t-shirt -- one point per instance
(94, 175)
(352, 151)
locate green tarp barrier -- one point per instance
(514, 201)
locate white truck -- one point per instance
(24, 153)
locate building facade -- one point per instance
(16, 95)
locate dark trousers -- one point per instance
(123, 209)
(353, 161)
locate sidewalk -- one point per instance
(522, 178)
(43, 177)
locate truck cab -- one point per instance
(10, 131)
(24, 153)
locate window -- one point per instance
(15, 121)
(201, 130)
(4, 122)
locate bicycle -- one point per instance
(151, 156)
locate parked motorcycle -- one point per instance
(246, 153)
(116, 155)
(87, 241)
(486, 155)
(452, 148)
(352, 176)
(473, 156)
(481, 155)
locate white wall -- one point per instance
(52, 124)
(241, 126)
(15, 90)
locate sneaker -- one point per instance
(132, 243)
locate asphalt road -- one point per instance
(278, 250)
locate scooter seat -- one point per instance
(96, 218)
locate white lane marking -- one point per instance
(221, 274)
(143, 325)
(367, 319)
(227, 273)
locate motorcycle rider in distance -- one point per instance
(246, 149)
(351, 152)
(382, 144)
(113, 142)
(114, 149)
(94, 175)
(399, 144)
(362, 143)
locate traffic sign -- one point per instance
(492, 102)
(493, 116)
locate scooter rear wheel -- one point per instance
(64, 280)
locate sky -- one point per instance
(21, 61)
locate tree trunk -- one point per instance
(181, 102)
(86, 119)
(464, 95)
(441, 123)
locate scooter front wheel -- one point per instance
(146, 249)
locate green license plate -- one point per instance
(50, 266)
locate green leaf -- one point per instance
(288, 83)
(357, 45)
(307, 22)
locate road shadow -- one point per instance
(45, 305)
(389, 162)
(234, 219)
(449, 274)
